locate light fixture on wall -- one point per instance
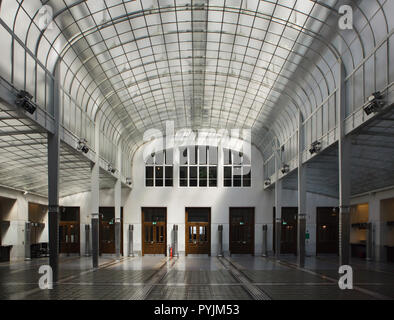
(315, 147)
(82, 146)
(375, 103)
(128, 181)
(285, 169)
(111, 169)
(24, 100)
(267, 182)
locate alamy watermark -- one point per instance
(346, 17)
(346, 281)
(46, 280)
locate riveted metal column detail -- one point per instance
(118, 203)
(344, 151)
(278, 202)
(301, 225)
(53, 179)
(96, 199)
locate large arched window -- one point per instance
(237, 170)
(198, 166)
(159, 170)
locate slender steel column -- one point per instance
(95, 200)
(278, 202)
(301, 225)
(53, 178)
(344, 151)
(118, 203)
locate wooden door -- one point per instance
(242, 230)
(327, 231)
(69, 237)
(154, 231)
(288, 242)
(69, 230)
(107, 230)
(198, 231)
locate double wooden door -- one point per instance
(198, 231)
(154, 231)
(327, 231)
(69, 241)
(242, 230)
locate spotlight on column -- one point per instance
(267, 182)
(24, 100)
(285, 169)
(375, 103)
(111, 169)
(128, 181)
(315, 147)
(82, 146)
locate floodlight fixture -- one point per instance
(24, 101)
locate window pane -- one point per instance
(193, 176)
(150, 159)
(213, 176)
(183, 176)
(203, 175)
(183, 156)
(149, 172)
(170, 157)
(159, 176)
(193, 153)
(149, 176)
(203, 154)
(237, 177)
(247, 174)
(169, 176)
(227, 176)
(213, 155)
(236, 157)
(226, 156)
(159, 158)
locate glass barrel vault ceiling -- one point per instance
(215, 64)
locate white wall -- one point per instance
(177, 199)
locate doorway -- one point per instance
(107, 230)
(69, 230)
(327, 230)
(288, 242)
(198, 231)
(242, 230)
(154, 231)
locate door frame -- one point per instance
(143, 229)
(209, 228)
(253, 209)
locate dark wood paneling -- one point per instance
(242, 230)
